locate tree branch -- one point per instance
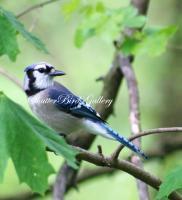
(129, 75)
(125, 166)
(126, 68)
(133, 94)
(31, 8)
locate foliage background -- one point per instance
(158, 77)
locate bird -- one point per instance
(62, 110)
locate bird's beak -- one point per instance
(57, 73)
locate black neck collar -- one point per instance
(33, 91)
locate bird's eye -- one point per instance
(41, 70)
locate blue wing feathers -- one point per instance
(70, 103)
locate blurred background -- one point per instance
(159, 80)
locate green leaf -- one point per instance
(8, 42)
(136, 22)
(152, 41)
(128, 46)
(24, 139)
(70, 7)
(100, 7)
(107, 23)
(155, 40)
(98, 23)
(9, 28)
(132, 19)
(172, 182)
(82, 35)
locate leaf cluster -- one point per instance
(111, 23)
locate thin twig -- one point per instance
(156, 131)
(11, 77)
(31, 8)
(149, 132)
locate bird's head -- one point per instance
(39, 76)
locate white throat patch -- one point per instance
(42, 80)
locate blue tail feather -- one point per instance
(124, 141)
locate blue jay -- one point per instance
(61, 109)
